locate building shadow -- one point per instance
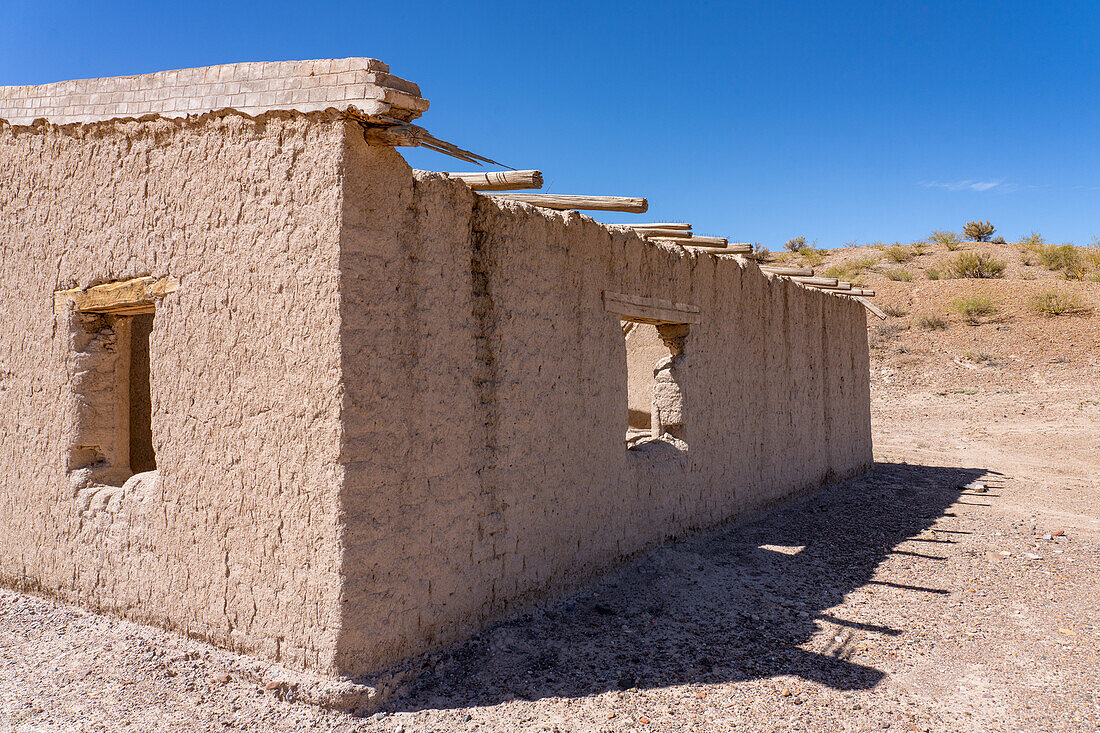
(733, 604)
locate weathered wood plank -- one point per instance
(566, 202)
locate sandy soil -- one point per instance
(953, 588)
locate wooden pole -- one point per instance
(500, 180)
(661, 225)
(662, 233)
(864, 292)
(562, 202)
(797, 271)
(871, 307)
(815, 280)
(736, 248)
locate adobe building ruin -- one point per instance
(265, 384)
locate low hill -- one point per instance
(1036, 322)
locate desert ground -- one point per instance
(952, 588)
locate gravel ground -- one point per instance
(898, 600)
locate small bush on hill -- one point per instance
(1033, 242)
(897, 253)
(760, 253)
(978, 231)
(934, 274)
(1056, 257)
(976, 264)
(811, 256)
(946, 238)
(794, 244)
(918, 248)
(1092, 255)
(1058, 303)
(973, 308)
(898, 273)
(933, 322)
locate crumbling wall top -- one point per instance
(360, 85)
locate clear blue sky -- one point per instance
(754, 120)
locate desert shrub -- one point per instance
(877, 245)
(978, 231)
(1068, 259)
(811, 256)
(897, 253)
(975, 264)
(973, 308)
(934, 274)
(946, 238)
(932, 322)
(1092, 255)
(794, 244)
(760, 253)
(998, 240)
(852, 269)
(978, 357)
(1058, 303)
(918, 247)
(898, 273)
(1033, 242)
(894, 311)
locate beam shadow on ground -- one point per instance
(712, 608)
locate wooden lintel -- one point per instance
(655, 311)
(564, 202)
(124, 298)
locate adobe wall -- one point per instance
(486, 403)
(236, 541)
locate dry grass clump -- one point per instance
(794, 244)
(897, 253)
(934, 273)
(946, 238)
(1058, 303)
(974, 307)
(932, 322)
(1064, 257)
(898, 273)
(976, 264)
(852, 269)
(894, 311)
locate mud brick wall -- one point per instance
(236, 541)
(486, 403)
(385, 410)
